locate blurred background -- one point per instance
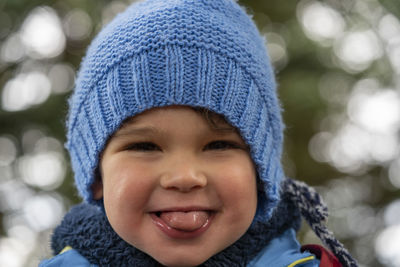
(338, 68)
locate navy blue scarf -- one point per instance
(87, 230)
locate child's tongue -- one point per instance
(185, 221)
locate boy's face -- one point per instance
(176, 188)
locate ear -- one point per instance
(97, 189)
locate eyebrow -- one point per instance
(139, 131)
(127, 130)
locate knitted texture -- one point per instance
(201, 53)
(86, 229)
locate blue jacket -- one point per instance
(282, 251)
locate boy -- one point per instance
(175, 138)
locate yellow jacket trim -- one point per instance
(301, 261)
(65, 249)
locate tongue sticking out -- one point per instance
(185, 221)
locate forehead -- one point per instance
(162, 115)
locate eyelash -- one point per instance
(143, 146)
(221, 145)
(214, 145)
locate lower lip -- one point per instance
(178, 234)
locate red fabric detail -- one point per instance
(326, 257)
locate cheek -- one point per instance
(241, 174)
(237, 185)
(126, 185)
(127, 188)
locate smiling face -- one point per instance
(175, 187)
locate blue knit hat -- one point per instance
(201, 53)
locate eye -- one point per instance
(143, 146)
(221, 145)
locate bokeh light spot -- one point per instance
(389, 28)
(378, 111)
(43, 212)
(317, 146)
(12, 49)
(42, 33)
(13, 194)
(277, 50)
(392, 213)
(25, 90)
(77, 24)
(44, 153)
(394, 54)
(61, 76)
(387, 246)
(31, 168)
(8, 151)
(358, 49)
(12, 252)
(320, 22)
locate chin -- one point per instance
(185, 261)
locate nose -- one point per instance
(183, 175)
